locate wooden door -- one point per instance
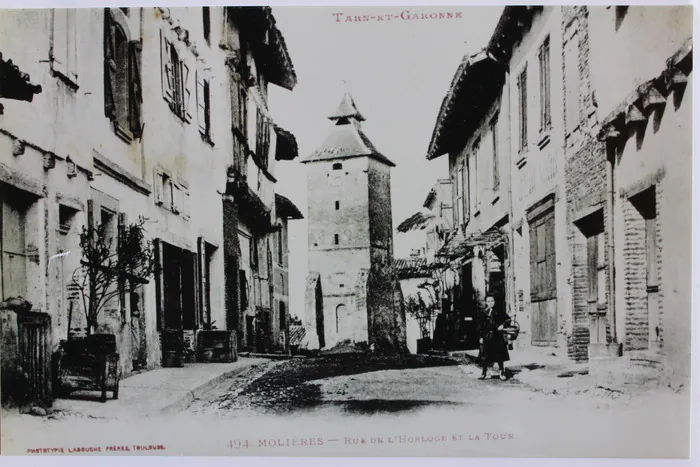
(543, 284)
(13, 254)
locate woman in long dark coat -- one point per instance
(493, 346)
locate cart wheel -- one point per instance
(115, 392)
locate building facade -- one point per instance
(255, 233)
(587, 193)
(133, 122)
(529, 40)
(644, 104)
(473, 129)
(590, 187)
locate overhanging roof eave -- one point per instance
(479, 70)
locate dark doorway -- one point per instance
(467, 332)
(250, 331)
(283, 325)
(178, 288)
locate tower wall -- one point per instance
(339, 264)
(380, 213)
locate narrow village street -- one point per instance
(266, 231)
(278, 403)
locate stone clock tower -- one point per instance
(349, 226)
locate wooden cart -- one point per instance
(89, 364)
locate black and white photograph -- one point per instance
(347, 231)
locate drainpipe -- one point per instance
(610, 176)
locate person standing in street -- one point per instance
(493, 346)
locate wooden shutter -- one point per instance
(166, 69)
(466, 193)
(455, 217)
(201, 103)
(60, 41)
(251, 123)
(158, 274)
(110, 65)
(187, 88)
(135, 91)
(176, 205)
(157, 186)
(185, 203)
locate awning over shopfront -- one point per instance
(459, 247)
(15, 84)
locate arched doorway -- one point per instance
(341, 313)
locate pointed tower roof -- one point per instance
(347, 140)
(347, 109)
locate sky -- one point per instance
(398, 73)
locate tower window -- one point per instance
(336, 239)
(337, 205)
(337, 166)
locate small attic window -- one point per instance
(337, 166)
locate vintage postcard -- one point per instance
(446, 231)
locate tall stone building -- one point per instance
(350, 229)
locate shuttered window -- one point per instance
(545, 87)
(239, 106)
(204, 106)
(206, 24)
(176, 79)
(262, 136)
(122, 78)
(522, 109)
(64, 46)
